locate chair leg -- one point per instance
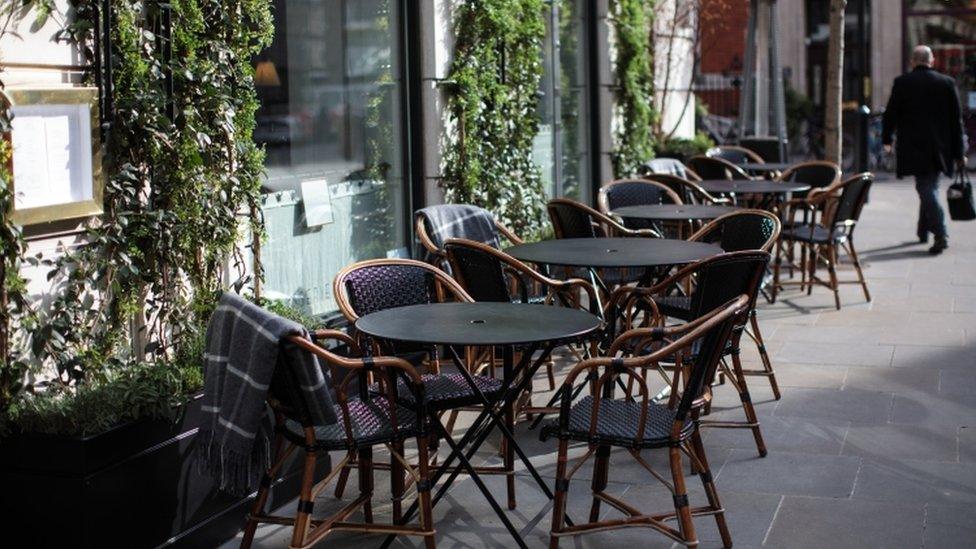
(559, 502)
(304, 515)
(832, 270)
(397, 485)
(366, 482)
(815, 252)
(763, 354)
(257, 509)
(705, 473)
(681, 507)
(344, 477)
(777, 264)
(601, 470)
(857, 267)
(423, 491)
(746, 398)
(509, 455)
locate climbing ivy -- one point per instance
(632, 22)
(183, 176)
(491, 108)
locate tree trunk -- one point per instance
(835, 83)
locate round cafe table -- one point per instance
(613, 253)
(753, 186)
(673, 212)
(505, 325)
(765, 168)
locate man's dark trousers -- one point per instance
(931, 219)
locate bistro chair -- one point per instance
(716, 168)
(636, 423)
(713, 281)
(743, 230)
(635, 192)
(734, 154)
(491, 275)
(381, 284)
(668, 166)
(832, 215)
(688, 190)
(367, 419)
(435, 224)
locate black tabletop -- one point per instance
(673, 212)
(754, 186)
(613, 252)
(765, 166)
(478, 323)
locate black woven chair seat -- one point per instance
(617, 424)
(675, 306)
(370, 426)
(445, 391)
(821, 235)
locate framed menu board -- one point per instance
(56, 159)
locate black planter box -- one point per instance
(134, 486)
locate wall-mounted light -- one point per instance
(266, 74)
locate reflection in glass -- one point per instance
(329, 87)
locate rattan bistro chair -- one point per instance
(636, 423)
(572, 219)
(367, 419)
(380, 284)
(743, 230)
(714, 280)
(689, 191)
(832, 216)
(432, 238)
(635, 192)
(715, 168)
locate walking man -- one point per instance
(925, 114)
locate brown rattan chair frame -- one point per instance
(307, 531)
(832, 214)
(640, 425)
(600, 223)
(708, 167)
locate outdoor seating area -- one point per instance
(656, 386)
(644, 331)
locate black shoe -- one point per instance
(940, 245)
(923, 238)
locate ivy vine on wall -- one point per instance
(183, 179)
(632, 22)
(492, 108)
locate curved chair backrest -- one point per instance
(853, 196)
(669, 166)
(380, 284)
(818, 174)
(734, 154)
(635, 192)
(769, 148)
(436, 224)
(572, 219)
(716, 168)
(741, 230)
(480, 271)
(687, 190)
(725, 276)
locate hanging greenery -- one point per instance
(183, 177)
(492, 108)
(633, 22)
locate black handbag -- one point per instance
(960, 198)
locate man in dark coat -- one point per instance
(925, 114)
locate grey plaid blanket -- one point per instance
(460, 221)
(668, 166)
(244, 345)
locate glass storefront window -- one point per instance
(330, 91)
(561, 147)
